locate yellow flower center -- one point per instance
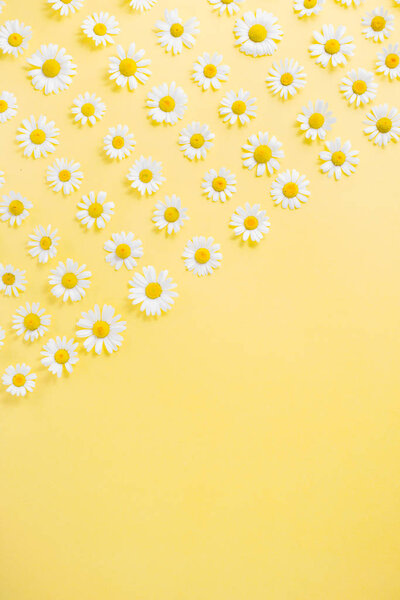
(257, 33)
(87, 109)
(384, 125)
(202, 255)
(239, 107)
(123, 251)
(15, 39)
(226, 1)
(145, 175)
(176, 30)
(3, 106)
(286, 79)
(8, 278)
(66, 1)
(69, 280)
(316, 120)
(32, 321)
(378, 23)
(16, 207)
(359, 87)
(197, 140)
(118, 142)
(45, 242)
(19, 380)
(332, 46)
(127, 67)
(210, 71)
(51, 67)
(100, 29)
(392, 61)
(219, 184)
(61, 356)
(338, 158)
(262, 154)
(310, 3)
(101, 329)
(251, 222)
(171, 214)
(95, 210)
(167, 104)
(153, 290)
(64, 175)
(37, 136)
(290, 190)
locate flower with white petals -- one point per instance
(250, 222)
(339, 158)
(30, 321)
(237, 107)
(2, 179)
(8, 106)
(388, 62)
(94, 210)
(154, 293)
(383, 125)
(88, 108)
(64, 175)
(174, 34)
(101, 28)
(123, 249)
(228, 7)
(12, 280)
(262, 151)
(286, 78)
(142, 4)
(316, 120)
(170, 215)
(167, 103)
(2, 4)
(332, 47)
(377, 24)
(208, 72)
(201, 255)
(14, 37)
(257, 33)
(119, 143)
(69, 280)
(51, 69)
(43, 243)
(146, 175)
(14, 208)
(66, 7)
(195, 140)
(306, 8)
(290, 189)
(37, 137)
(19, 379)
(219, 185)
(350, 2)
(101, 328)
(358, 87)
(60, 354)
(129, 68)
(2, 332)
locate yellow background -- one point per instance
(245, 445)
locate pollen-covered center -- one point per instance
(250, 222)
(19, 380)
(51, 67)
(338, 158)
(69, 280)
(95, 210)
(16, 207)
(262, 154)
(197, 140)
(226, 1)
(3, 106)
(145, 175)
(45, 242)
(167, 104)
(384, 125)
(316, 120)
(286, 79)
(332, 46)
(202, 255)
(290, 190)
(87, 109)
(238, 107)
(359, 87)
(257, 33)
(153, 290)
(118, 142)
(37, 136)
(123, 251)
(64, 175)
(31, 321)
(392, 60)
(310, 3)
(100, 29)
(61, 356)
(127, 67)
(101, 329)
(15, 39)
(378, 23)
(210, 71)
(219, 184)
(171, 214)
(8, 278)
(176, 30)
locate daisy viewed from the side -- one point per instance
(195, 140)
(316, 120)
(88, 108)
(101, 328)
(377, 24)
(174, 34)
(14, 37)
(286, 78)
(332, 46)
(383, 125)
(155, 293)
(130, 67)
(339, 158)
(219, 185)
(69, 280)
(358, 87)
(94, 210)
(51, 69)
(101, 28)
(8, 106)
(170, 214)
(167, 103)
(12, 280)
(43, 243)
(237, 107)
(37, 136)
(19, 380)
(290, 189)
(119, 142)
(306, 8)
(123, 249)
(257, 33)
(146, 175)
(388, 62)
(30, 321)
(250, 222)
(64, 175)
(228, 7)
(208, 72)
(202, 255)
(66, 7)
(262, 152)
(59, 354)
(14, 208)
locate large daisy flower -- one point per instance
(339, 158)
(169, 215)
(30, 321)
(43, 243)
(286, 78)
(69, 280)
(101, 327)
(262, 151)
(195, 140)
(383, 125)
(142, 4)
(60, 354)
(377, 24)
(228, 7)
(19, 380)
(64, 175)
(12, 280)
(358, 87)
(290, 189)
(250, 222)
(129, 68)
(94, 210)
(208, 72)
(14, 37)
(237, 107)
(101, 28)
(316, 120)
(14, 208)
(123, 249)
(66, 7)
(146, 175)
(332, 46)
(306, 8)
(119, 143)
(219, 185)
(258, 33)
(174, 34)
(201, 255)
(154, 293)
(37, 137)
(8, 106)
(167, 103)
(388, 62)
(88, 108)
(51, 69)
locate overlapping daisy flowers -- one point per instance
(256, 34)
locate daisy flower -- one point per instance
(208, 72)
(101, 328)
(64, 175)
(69, 281)
(101, 27)
(174, 34)
(228, 7)
(88, 108)
(94, 210)
(14, 208)
(250, 222)
(286, 78)
(59, 354)
(237, 107)
(8, 106)
(219, 185)
(142, 4)
(2, 179)
(146, 175)
(378, 24)
(66, 7)
(383, 124)
(167, 103)
(170, 214)
(332, 47)
(12, 280)
(358, 87)
(350, 2)
(129, 68)
(43, 243)
(14, 37)
(195, 140)
(19, 379)
(51, 69)
(306, 8)
(119, 143)
(262, 152)
(339, 158)
(37, 137)
(123, 249)
(2, 4)
(290, 189)
(201, 255)
(30, 321)
(2, 332)
(257, 33)
(154, 294)
(316, 120)
(388, 62)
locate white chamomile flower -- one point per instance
(2, 332)
(306, 8)
(101, 27)
(14, 37)
(37, 137)
(19, 379)
(12, 280)
(123, 249)
(219, 185)
(69, 280)
(142, 4)
(332, 47)
(66, 7)
(377, 24)
(228, 7)
(338, 158)
(129, 68)
(388, 62)
(8, 106)
(43, 243)
(88, 108)
(30, 321)
(262, 151)
(101, 328)
(169, 215)
(316, 120)
(64, 175)
(2, 179)
(208, 72)
(237, 107)
(358, 87)
(174, 34)
(350, 2)
(286, 78)
(51, 69)
(94, 210)
(195, 140)
(167, 103)
(383, 125)
(154, 293)
(146, 175)
(201, 255)
(250, 222)
(59, 354)
(290, 189)
(14, 208)
(119, 143)
(257, 33)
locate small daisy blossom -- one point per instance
(8, 106)
(219, 185)
(174, 34)
(146, 175)
(350, 2)
(14, 37)
(37, 137)
(208, 72)
(316, 120)
(101, 28)
(201, 255)
(290, 189)
(286, 78)
(119, 143)
(88, 108)
(12, 280)
(257, 33)
(332, 46)
(388, 62)
(250, 222)
(2, 179)
(142, 4)
(358, 87)
(60, 354)
(94, 210)
(306, 8)
(195, 140)
(101, 328)
(377, 24)
(170, 215)
(43, 243)
(64, 175)
(2, 4)
(66, 7)
(69, 280)
(154, 293)
(51, 69)
(2, 336)
(339, 158)
(14, 208)
(262, 151)
(228, 7)
(19, 379)
(383, 125)
(237, 107)
(129, 68)
(30, 321)
(123, 249)
(167, 103)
